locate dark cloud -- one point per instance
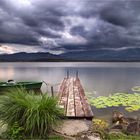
(118, 13)
(70, 25)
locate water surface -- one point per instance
(96, 77)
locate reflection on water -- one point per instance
(97, 78)
(7, 73)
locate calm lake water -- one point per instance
(96, 77)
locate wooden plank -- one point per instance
(79, 112)
(70, 103)
(72, 98)
(86, 107)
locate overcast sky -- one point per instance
(68, 25)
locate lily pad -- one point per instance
(136, 89)
(131, 102)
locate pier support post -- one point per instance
(52, 91)
(77, 74)
(67, 74)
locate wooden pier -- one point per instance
(72, 98)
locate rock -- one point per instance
(73, 127)
(119, 127)
(128, 125)
(117, 116)
(115, 131)
(77, 129)
(88, 137)
(132, 119)
(133, 128)
(92, 137)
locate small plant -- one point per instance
(100, 126)
(15, 132)
(37, 114)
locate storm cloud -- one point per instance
(73, 25)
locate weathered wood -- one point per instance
(72, 98)
(52, 91)
(70, 103)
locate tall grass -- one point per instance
(37, 114)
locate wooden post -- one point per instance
(67, 74)
(77, 74)
(52, 91)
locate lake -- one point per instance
(97, 78)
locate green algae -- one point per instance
(131, 102)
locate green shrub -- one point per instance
(37, 114)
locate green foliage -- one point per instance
(136, 89)
(37, 114)
(130, 101)
(100, 126)
(120, 136)
(55, 137)
(15, 132)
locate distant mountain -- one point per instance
(29, 57)
(131, 54)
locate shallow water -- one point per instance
(96, 77)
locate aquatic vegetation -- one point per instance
(131, 102)
(136, 89)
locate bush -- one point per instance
(37, 114)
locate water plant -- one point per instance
(136, 89)
(37, 114)
(131, 102)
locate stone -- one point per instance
(118, 126)
(117, 116)
(77, 129)
(73, 127)
(133, 128)
(92, 137)
(88, 137)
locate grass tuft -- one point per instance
(37, 114)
